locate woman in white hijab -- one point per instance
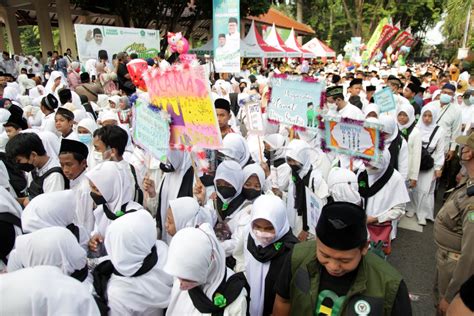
(411, 133)
(51, 246)
(185, 212)
(423, 193)
(275, 154)
(343, 186)
(235, 147)
(383, 191)
(371, 110)
(132, 281)
(10, 225)
(112, 192)
(304, 178)
(53, 209)
(48, 292)
(177, 181)
(267, 242)
(199, 283)
(56, 82)
(85, 132)
(396, 144)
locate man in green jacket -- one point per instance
(336, 275)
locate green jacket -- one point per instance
(373, 292)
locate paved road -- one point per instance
(413, 255)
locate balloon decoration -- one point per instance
(177, 43)
(136, 68)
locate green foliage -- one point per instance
(456, 15)
(30, 39)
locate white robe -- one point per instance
(85, 204)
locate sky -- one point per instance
(434, 36)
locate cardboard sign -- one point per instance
(313, 209)
(184, 93)
(254, 117)
(358, 139)
(291, 98)
(150, 130)
(385, 100)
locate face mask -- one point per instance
(251, 194)
(471, 99)
(371, 170)
(445, 98)
(98, 156)
(166, 167)
(264, 238)
(27, 167)
(85, 138)
(46, 76)
(268, 154)
(226, 192)
(98, 199)
(187, 285)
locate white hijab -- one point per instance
(188, 213)
(49, 209)
(299, 151)
(231, 172)
(49, 292)
(207, 266)
(427, 130)
(113, 183)
(390, 127)
(278, 143)
(128, 241)
(393, 193)
(272, 209)
(255, 169)
(371, 107)
(10, 205)
(49, 85)
(409, 111)
(171, 183)
(52, 246)
(343, 186)
(236, 148)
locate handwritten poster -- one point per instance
(183, 92)
(150, 130)
(385, 100)
(254, 117)
(291, 98)
(352, 138)
(313, 209)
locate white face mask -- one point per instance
(371, 170)
(264, 238)
(97, 156)
(187, 285)
(332, 106)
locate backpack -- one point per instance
(427, 162)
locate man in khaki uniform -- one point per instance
(454, 233)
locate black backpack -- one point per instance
(427, 162)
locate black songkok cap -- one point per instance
(64, 95)
(394, 80)
(336, 78)
(334, 91)
(355, 81)
(16, 121)
(413, 87)
(73, 146)
(65, 113)
(222, 104)
(415, 80)
(50, 102)
(370, 88)
(342, 226)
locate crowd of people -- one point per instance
(90, 223)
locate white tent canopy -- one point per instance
(274, 39)
(293, 44)
(319, 49)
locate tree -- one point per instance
(455, 20)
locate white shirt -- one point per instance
(53, 182)
(85, 204)
(449, 118)
(352, 112)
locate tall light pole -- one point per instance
(466, 28)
